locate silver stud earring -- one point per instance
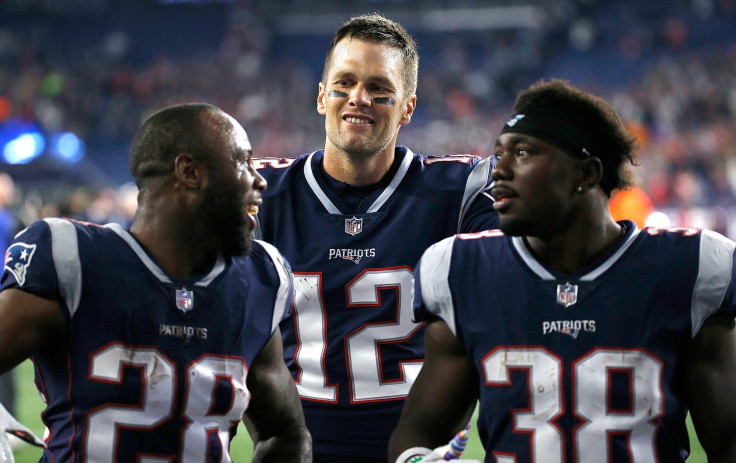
(580, 189)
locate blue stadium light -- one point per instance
(24, 148)
(68, 147)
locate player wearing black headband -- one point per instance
(585, 339)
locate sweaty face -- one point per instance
(534, 184)
(233, 189)
(363, 98)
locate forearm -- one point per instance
(409, 437)
(418, 429)
(274, 418)
(29, 325)
(711, 380)
(441, 399)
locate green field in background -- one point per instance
(30, 406)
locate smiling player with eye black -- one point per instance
(353, 219)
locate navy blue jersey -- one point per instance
(352, 346)
(156, 367)
(573, 368)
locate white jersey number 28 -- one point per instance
(158, 399)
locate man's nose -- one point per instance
(500, 168)
(360, 96)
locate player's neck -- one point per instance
(577, 247)
(357, 169)
(179, 255)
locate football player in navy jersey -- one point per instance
(152, 344)
(353, 219)
(585, 339)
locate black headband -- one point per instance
(550, 128)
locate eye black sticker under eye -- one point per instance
(337, 94)
(387, 100)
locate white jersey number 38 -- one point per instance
(591, 375)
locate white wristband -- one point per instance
(409, 455)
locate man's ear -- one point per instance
(321, 104)
(189, 171)
(592, 173)
(411, 104)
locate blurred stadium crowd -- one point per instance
(95, 68)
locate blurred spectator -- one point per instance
(633, 204)
(668, 66)
(7, 230)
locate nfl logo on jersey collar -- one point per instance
(567, 294)
(184, 300)
(353, 226)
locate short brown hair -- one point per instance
(379, 29)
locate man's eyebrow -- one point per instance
(375, 79)
(243, 154)
(382, 81)
(519, 138)
(343, 74)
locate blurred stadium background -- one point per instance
(78, 76)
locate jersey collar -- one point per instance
(522, 248)
(330, 206)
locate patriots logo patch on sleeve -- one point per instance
(18, 259)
